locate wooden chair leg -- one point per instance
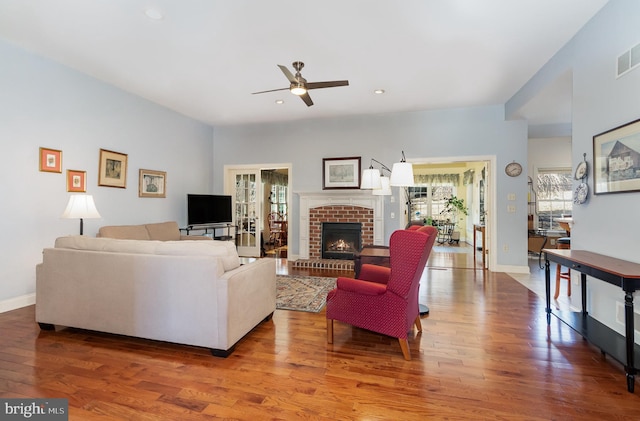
(569, 284)
(404, 346)
(329, 331)
(418, 323)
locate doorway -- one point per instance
(467, 180)
(252, 192)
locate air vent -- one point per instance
(628, 60)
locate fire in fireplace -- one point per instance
(340, 240)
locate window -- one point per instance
(555, 196)
(278, 199)
(429, 201)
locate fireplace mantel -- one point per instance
(341, 197)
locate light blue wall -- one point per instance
(45, 104)
(606, 224)
(467, 132)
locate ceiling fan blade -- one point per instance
(316, 85)
(272, 90)
(287, 73)
(307, 99)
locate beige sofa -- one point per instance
(187, 292)
(162, 231)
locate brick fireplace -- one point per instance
(343, 206)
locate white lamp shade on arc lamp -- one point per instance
(81, 206)
(402, 174)
(370, 179)
(385, 189)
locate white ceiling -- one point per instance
(204, 58)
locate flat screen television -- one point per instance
(203, 209)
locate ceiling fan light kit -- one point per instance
(299, 85)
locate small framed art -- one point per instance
(616, 159)
(152, 183)
(50, 160)
(341, 173)
(76, 181)
(112, 169)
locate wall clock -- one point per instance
(513, 169)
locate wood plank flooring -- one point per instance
(485, 353)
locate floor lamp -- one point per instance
(401, 175)
(81, 206)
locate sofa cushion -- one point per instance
(125, 232)
(164, 231)
(225, 251)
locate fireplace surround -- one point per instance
(339, 206)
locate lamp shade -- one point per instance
(402, 174)
(385, 189)
(81, 206)
(370, 179)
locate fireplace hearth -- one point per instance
(340, 240)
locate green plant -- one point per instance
(455, 205)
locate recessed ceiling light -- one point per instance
(154, 14)
(279, 101)
(379, 91)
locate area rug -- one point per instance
(303, 293)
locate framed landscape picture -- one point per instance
(341, 173)
(616, 159)
(112, 169)
(152, 183)
(76, 181)
(50, 160)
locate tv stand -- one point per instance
(214, 228)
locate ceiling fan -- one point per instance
(299, 85)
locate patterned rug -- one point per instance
(303, 293)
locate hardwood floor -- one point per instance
(485, 353)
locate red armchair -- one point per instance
(385, 300)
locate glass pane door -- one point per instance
(246, 211)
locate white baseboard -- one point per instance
(17, 302)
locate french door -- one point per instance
(245, 187)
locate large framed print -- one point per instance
(616, 159)
(113, 169)
(341, 173)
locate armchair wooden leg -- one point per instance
(329, 331)
(404, 346)
(418, 324)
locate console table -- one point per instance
(213, 228)
(621, 273)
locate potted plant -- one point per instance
(453, 207)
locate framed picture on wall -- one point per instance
(341, 173)
(76, 181)
(113, 169)
(616, 157)
(50, 160)
(152, 183)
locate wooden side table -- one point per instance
(481, 229)
(375, 255)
